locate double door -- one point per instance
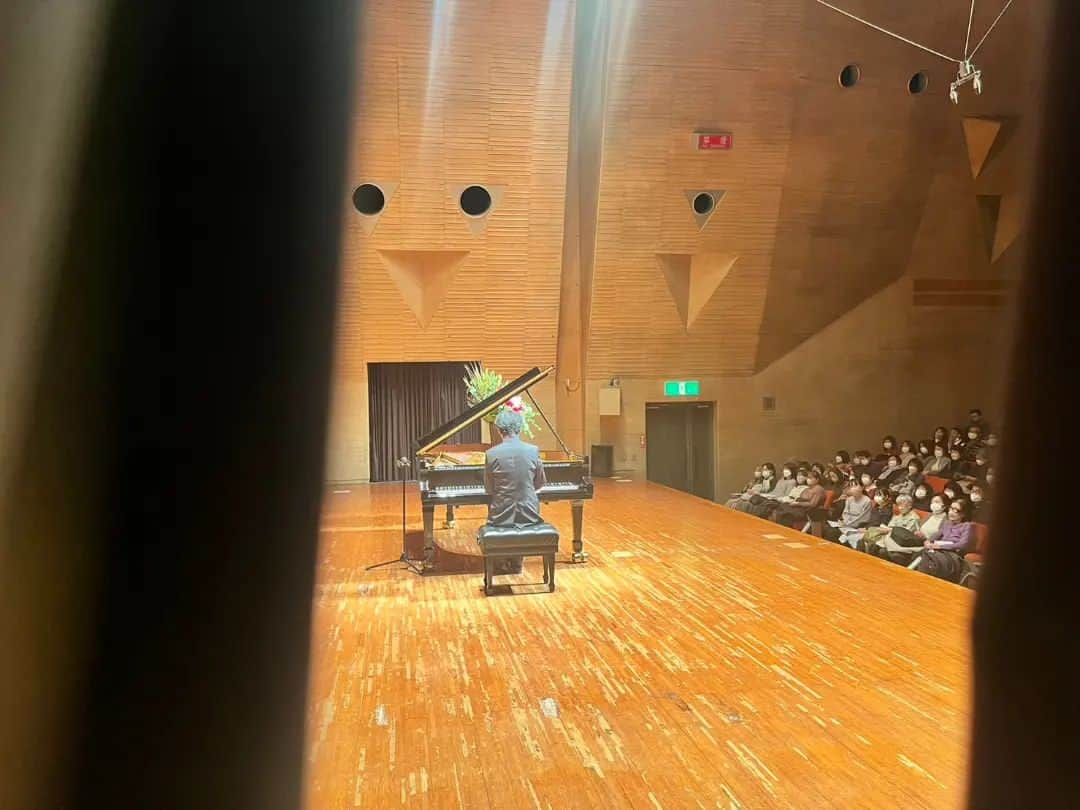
(679, 446)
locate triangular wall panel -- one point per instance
(979, 135)
(692, 279)
(423, 277)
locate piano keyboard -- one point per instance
(462, 489)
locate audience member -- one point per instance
(922, 496)
(980, 503)
(856, 513)
(905, 484)
(888, 447)
(907, 451)
(926, 451)
(902, 544)
(905, 518)
(890, 473)
(943, 558)
(975, 417)
(795, 512)
(764, 480)
(941, 436)
(974, 444)
(940, 465)
(842, 462)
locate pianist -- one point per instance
(513, 472)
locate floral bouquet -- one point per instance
(481, 383)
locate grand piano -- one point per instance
(452, 475)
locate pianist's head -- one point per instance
(509, 423)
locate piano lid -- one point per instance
(481, 409)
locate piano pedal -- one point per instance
(449, 524)
(579, 557)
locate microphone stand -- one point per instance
(403, 464)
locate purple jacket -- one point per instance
(955, 536)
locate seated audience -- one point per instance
(974, 444)
(926, 451)
(975, 417)
(956, 438)
(842, 462)
(905, 518)
(957, 466)
(890, 473)
(794, 512)
(861, 464)
(941, 436)
(764, 480)
(906, 483)
(834, 481)
(855, 515)
(888, 447)
(941, 464)
(980, 503)
(902, 544)
(922, 496)
(989, 476)
(761, 503)
(944, 557)
(907, 451)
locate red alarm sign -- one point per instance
(712, 140)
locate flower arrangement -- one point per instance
(481, 383)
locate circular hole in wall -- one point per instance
(703, 203)
(475, 201)
(368, 199)
(849, 76)
(917, 83)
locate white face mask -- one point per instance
(787, 473)
(839, 460)
(937, 507)
(766, 474)
(989, 478)
(973, 435)
(879, 499)
(887, 445)
(992, 441)
(920, 493)
(975, 497)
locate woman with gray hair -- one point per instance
(905, 518)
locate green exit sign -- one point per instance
(682, 388)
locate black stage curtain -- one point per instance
(407, 401)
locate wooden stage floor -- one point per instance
(692, 662)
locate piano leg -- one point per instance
(429, 536)
(578, 554)
(450, 523)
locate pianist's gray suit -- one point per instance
(513, 472)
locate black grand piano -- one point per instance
(453, 474)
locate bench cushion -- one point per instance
(507, 539)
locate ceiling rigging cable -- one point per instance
(965, 69)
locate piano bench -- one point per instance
(500, 542)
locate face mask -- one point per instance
(766, 474)
(937, 507)
(939, 453)
(887, 445)
(950, 494)
(839, 460)
(989, 478)
(973, 435)
(913, 470)
(787, 473)
(975, 497)
(879, 499)
(893, 462)
(924, 450)
(992, 441)
(920, 493)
